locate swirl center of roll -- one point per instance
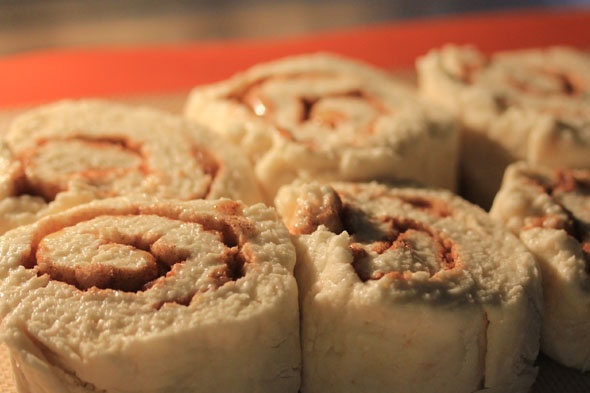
(52, 164)
(301, 104)
(399, 248)
(381, 244)
(136, 253)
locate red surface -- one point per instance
(36, 77)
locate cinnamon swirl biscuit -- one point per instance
(72, 152)
(550, 210)
(409, 290)
(324, 117)
(531, 105)
(121, 295)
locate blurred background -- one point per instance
(27, 25)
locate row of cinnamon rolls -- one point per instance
(299, 230)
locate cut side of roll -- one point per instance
(325, 117)
(409, 290)
(122, 295)
(531, 105)
(71, 152)
(550, 210)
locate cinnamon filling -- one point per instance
(233, 269)
(539, 81)
(566, 182)
(557, 82)
(136, 261)
(431, 206)
(417, 246)
(92, 161)
(308, 107)
(51, 166)
(399, 234)
(411, 246)
(331, 119)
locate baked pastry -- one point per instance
(409, 290)
(72, 152)
(550, 210)
(531, 105)
(324, 117)
(122, 295)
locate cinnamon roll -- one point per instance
(71, 152)
(122, 295)
(323, 117)
(531, 105)
(409, 290)
(550, 210)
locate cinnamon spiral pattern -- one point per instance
(151, 296)
(409, 290)
(324, 117)
(531, 105)
(72, 152)
(550, 210)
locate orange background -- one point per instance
(41, 76)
